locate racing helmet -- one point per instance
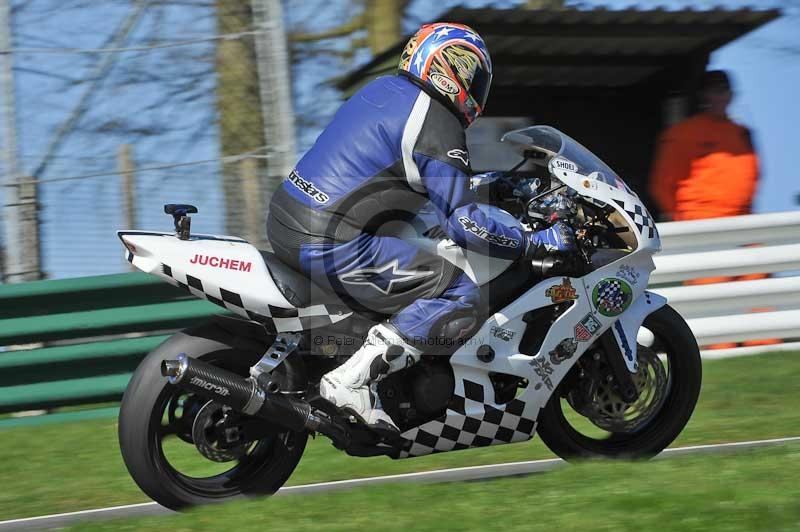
(451, 59)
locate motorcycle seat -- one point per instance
(298, 289)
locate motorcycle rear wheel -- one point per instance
(675, 344)
(151, 426)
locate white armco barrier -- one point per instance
(671, 268)
(720, 233)
(783, 324)
(734, 311)
(733, 298)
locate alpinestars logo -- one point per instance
(307, 187)
(483, 233)
(461, 155)
(384, 278)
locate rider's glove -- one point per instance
(491, 186)
(487, 177)
(559, 237)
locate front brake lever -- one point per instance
(585, 247)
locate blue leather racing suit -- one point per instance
(390, 148)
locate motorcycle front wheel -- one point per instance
(586, 417)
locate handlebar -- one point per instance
(552, 266)
(572, 264)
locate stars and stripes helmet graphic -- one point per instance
(453, 60)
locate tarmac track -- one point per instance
(441, 475)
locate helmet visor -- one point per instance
(479, 88)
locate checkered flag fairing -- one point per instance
(471, 421)
(641, 218)
(275, 319)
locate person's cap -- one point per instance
(717, 80)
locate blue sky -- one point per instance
(80, 217)
(767, 79)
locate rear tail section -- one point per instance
(226, 271)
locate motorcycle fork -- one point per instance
(619, 370)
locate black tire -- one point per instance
(261, 472)
(686, 374)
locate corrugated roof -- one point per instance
(595, 47)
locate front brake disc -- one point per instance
(606, 409)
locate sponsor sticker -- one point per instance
(503, 334)
(612, 296)
(624, 341)
(221, 262)
(543, 369)
(628, 273)
(563, 351)
(210, 386)
(562, 292)
(586, 328)
(444, 83)
(563, 164)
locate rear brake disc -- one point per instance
(206, 435)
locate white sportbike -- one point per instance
(574, 349)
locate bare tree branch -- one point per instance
(344, 30)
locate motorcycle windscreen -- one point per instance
(554, 143)
(590, 164)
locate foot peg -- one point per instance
(387, 432)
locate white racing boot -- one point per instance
(352, 385)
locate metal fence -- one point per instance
(180, 83)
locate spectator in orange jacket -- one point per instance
(706, 167)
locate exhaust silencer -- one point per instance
(244, 395)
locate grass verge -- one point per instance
(749, 490)
(76, 466)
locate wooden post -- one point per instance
(30, 230)
(384, 23)
(241, 127)
(21, 260)
(275, 89)
(126, 167)
(254, 223)
(545, 4)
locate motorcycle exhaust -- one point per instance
(244, 395)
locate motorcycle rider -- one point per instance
(395, 144)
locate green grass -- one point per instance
(745, 491)
(74, 466)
